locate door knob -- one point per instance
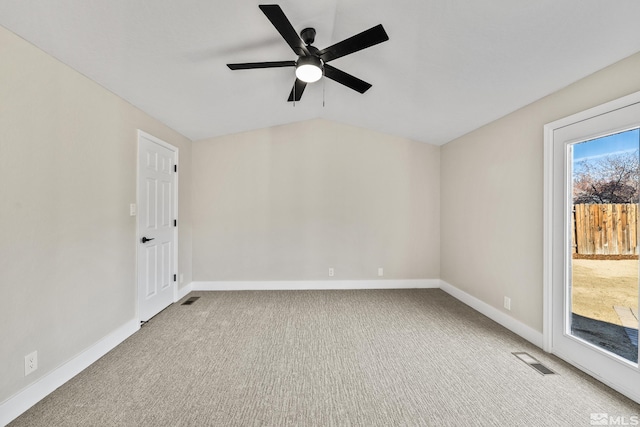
(145, 240)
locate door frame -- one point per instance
(176, 153)
(549, 257)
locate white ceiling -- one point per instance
(449, 67)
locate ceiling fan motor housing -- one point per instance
(309, 60)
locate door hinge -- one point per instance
(175, 222)
(175, 168)
(175, 278)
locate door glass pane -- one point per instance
(603, 285)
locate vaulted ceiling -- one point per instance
(449, 67)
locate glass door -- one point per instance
(602, 303)
(594, 246)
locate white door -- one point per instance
(157, 209)
(602, 346)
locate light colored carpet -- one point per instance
(325, 358)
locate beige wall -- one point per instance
(287, 203)
(67, 242)
(492, 193)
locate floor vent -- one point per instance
(190, 301)
(534, 363)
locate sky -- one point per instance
(612, 144)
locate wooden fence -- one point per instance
(609, 229)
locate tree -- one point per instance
(609, 179)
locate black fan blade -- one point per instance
(284, 27)
(365, 39)
(298, 89)
(346, 79)
(251, 65)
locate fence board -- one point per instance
(605, 229)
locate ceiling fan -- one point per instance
(312, 63)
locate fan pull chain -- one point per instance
(324, 85)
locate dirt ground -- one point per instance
(599, 285)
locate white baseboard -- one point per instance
(13, 407)
(519, 328)
(313, 284)
(182, 292)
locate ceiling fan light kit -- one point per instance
(309, 69)
(311, 64)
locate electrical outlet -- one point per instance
(133, 210)
(331, 272)
(380, 271)
(507, 303)
(30, 363)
